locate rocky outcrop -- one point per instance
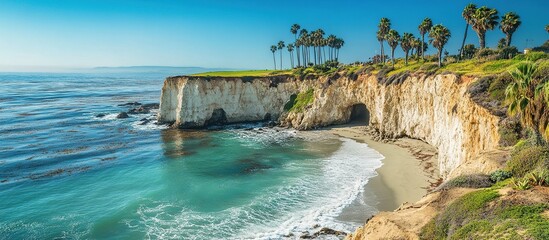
(436, 109)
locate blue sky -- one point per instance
(216, 33)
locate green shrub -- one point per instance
(468, 181)
(532, 56)
(508, 52)
(510, 131)
(543, 70)
(528, 159)
(521, 183)
(469, 51)
(487, 54)
(498, 86)
(527, 217)
(500, 175)
(302, 100)
(457, 214)
(519, 146)
(538, 177)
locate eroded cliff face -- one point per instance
(435, 109)
(193, 102)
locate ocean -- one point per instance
(65, 172)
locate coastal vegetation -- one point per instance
(300, 101)
(243, 73)
(485, 214)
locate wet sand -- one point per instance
(409, 170)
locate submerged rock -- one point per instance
(151, 105)
(100, 115)
(130, 104)
(144, 109)
(324, 232)
(144, 121)
(122, 115)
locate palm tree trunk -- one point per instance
(281, 59)
(314, 53)
(297, 49)
(463, 42)
(482, 39)
(393, 56)
(292, 58)
(406, 58)
(508, 37)
(274, 60)
(440, 57)
(382, 53)
(422, 47)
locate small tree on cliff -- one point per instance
(529, 98)
(484, 19)
(273, 50)
(509, 24)
(406, 43)
(439, 37)
(392, 39)
(424, 28)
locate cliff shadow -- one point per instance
(359, 114)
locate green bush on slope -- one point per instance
(483, 215)
(527, 160)
(302, 100)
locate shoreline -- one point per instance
(408, 172)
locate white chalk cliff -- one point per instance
(435, 109)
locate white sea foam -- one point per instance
(346, 173)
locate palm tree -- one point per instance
(484, 19)
(547, 28)
(338, 44)
(392, 39)
(281, 46)
(383, 28)
(406, 43)
(524, 99)
(331, 41)
(467, 14)
(294, 30)
(509, 24)
(439, 37)
(424, 28)
(273, 50)
(414, 45)
(291, 50)
(303, 38)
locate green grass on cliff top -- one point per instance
(245, 73)
(471, 67)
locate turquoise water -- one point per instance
(67, 174)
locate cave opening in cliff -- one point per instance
(219, 117)
(359, 114)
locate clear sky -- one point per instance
(222, 33)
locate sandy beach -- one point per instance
(409, 170)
